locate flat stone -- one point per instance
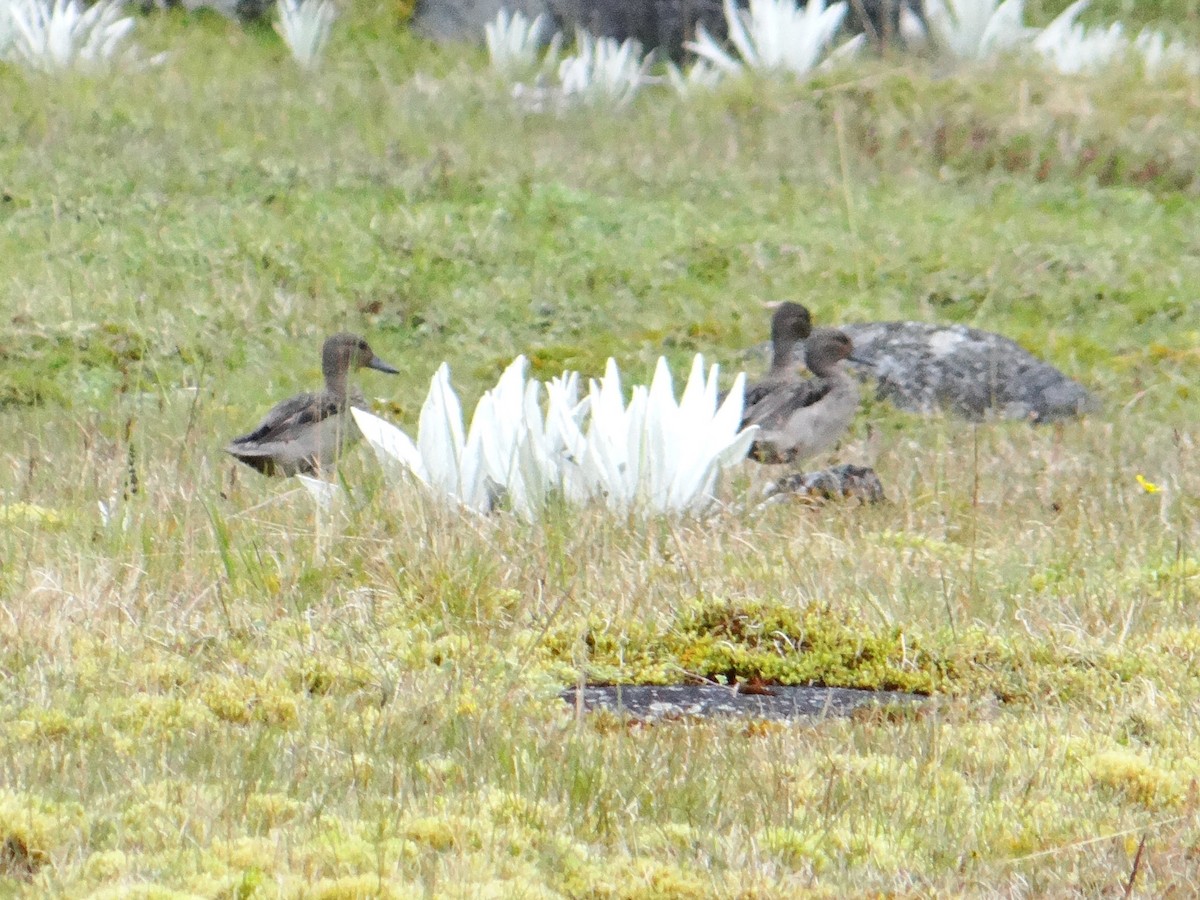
(782, 703)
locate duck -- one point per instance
(799, 418)
(308, 432)
(791, 323)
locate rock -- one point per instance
(662, 24)
(839, 482)
(463, 20)
(975, 374)
(926, 368)
(777, 702)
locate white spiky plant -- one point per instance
(775, 36)
(64, 35)
(514, 42)
(601, 70)
(651, 455)
(1071, 48)
(976, 29)
(699, 76)
(305, 26)
(1160, 55)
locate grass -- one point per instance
(219, 695)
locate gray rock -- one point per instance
(463, 20)
(780, 703)
(662, 24)
(975, 374)
(924, 368)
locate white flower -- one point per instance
(513, 42)
(304, 26)
(64, 35)
(976, 29)
(774, 35)
(1070, 48)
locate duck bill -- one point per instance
(862, 361)
(380, 365)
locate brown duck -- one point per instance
(307, 433)
(790, 325)
(798, 418)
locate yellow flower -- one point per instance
(1148, 486)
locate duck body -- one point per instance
(790, 325)
(301, 435)
(799, 418)
(307, 433)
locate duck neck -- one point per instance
(842, 382)
(337, 382)
(781, 354)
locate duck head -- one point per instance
(790, 323)
(344, 352)
(826, 347)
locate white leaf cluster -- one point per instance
(305, 26)
(652, 455)
(984, 29)
(60, 35)
(602, 71)
(1070, 48)
(977, 29)
(513, 43)
(775, 36)
(1160, 55)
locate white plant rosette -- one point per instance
(977, 29)
(305, 26)
(1070, 48)
(776, 36)
(602, 70)
(652, 455)
(513, 43)
(656, 454)
(52, 37)
(1160, 54)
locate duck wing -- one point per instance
(771, 404)
(288, 417)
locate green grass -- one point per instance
(228, 697)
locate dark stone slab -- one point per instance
(653, 702)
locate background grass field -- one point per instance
(217, 694)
